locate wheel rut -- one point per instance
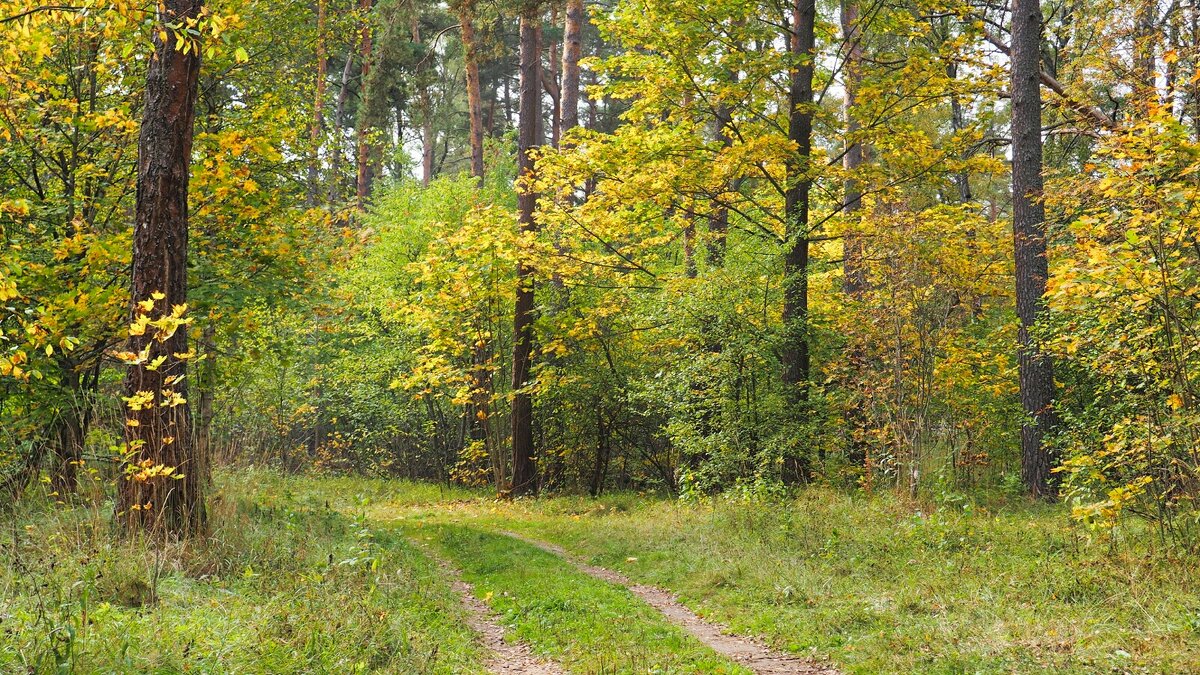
(506, 658)
(748, 652)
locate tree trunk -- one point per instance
(572, 52)
(363, 182)
(553, 84)
(160, 434)
(71, 428)
(524, 480)
(718, 217)
(854, 278)
(1146, 37)
(207, 384)
(795, 303)
(339, 113)
(466, 16)
(318, 124)
(1029, 239)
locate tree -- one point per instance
(572, 51)
(466, 18)
(854, 280)
(800, 115)
(524, 480)
(163, 489)
(1029, 245)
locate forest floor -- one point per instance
(351, 575)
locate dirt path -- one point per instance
(507, 658)
(750, 653)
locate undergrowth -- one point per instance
(284, 584)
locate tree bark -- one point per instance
(363, 183)
(207, 384)
(553, 85)
(572, 53)
(796, 364)
(1029, 239)
(318, 124)
(854, 277)
(466, 17)
(524, 479)
(339, 114)
(161, 434)
(718, 217)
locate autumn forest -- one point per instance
(600, 336)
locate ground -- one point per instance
(337, 575)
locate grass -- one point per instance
(587, 625)
(877, 585)
(283, 585)
(320, 575)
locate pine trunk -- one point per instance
(524, 479)
(161, 434)
(1029, 239)
(795, 303)
(572, 53)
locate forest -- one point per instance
(600, 336)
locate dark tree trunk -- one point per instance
(524, 480)
(68, 451)
(795, 302)
(72, 427)
(572, 52)
(207, 384)
(161, 434)
(958, 122)
(718, 217)
(339, 113)
(1029, 238)
(363, 182)
(854, 277)
(318, 124)
(1146, 37)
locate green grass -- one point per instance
(587, 625)
(319, 575)
(283, 586)
(877, 585)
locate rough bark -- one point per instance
(1029, 238)
(796, 204)
(162, 433)
(524, 479)
(572, 52)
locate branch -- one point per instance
(1090, 111)
(43, 8)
